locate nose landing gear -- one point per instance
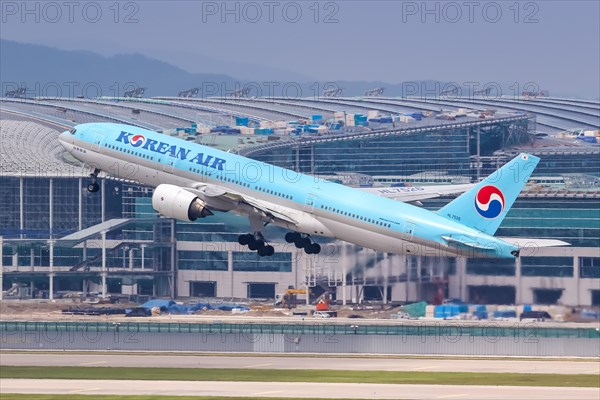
(93, 187)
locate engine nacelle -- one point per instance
(176, 202)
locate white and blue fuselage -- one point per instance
(319, 207)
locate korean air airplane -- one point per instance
(191, 181)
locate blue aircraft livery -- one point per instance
(306, 206)
(173, 150)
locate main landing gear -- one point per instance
(256, 242)
(93, 187)
(303, 242)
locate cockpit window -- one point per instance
(73, 131)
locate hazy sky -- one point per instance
(553, 43)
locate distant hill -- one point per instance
(48, 71)
(44, 67)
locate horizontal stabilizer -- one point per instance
(463, 241)
(534, 243)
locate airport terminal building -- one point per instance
(57, 237)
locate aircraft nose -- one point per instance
(63, 138)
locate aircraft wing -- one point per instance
(217, 196)
(417, 193)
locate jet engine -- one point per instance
(176, 202)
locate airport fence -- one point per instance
(443, 338)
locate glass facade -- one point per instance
(560, 162)
(547, 266)
(202, 260)
(574, 220)
(492, 267)
(9, 206)
(445, 152)
(279, 262)
(65, 206)
(36, 207)
(213, 260)
(589, 267)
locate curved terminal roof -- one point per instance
(28, 148)
(28, 117)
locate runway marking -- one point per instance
(94, 363)
(451, 395)
(257, 365)
(263, 393)
(595, 371)
(83, 390)
(423, 368)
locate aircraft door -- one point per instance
(309, 205)
(169, 164)
(97, 141)
(409, 230)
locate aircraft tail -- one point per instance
(485, 206)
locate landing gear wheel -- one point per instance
(93, 187)
(245, 239)
(266, 251)
(302, 242)
(270, 250)
(291, 237)
(255, 244)
(262, 251)
(313, 248)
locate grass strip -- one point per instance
(322, 376)
(305, 355)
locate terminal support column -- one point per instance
(478, 166)
(80, 205)
(386, 275)
(408, 277)
(461, 272)
(419, 278)
(143, 254)
(21, 208)
(344, 253)
(518, 294)
(577, 277)
(295, 268)
(1, 266)
(103, 263)
(230, 270)
(51, 276)
(173, 286)
(51, 206)
(103, 205)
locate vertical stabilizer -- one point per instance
(485, 206)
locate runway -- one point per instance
(277, 362)
(292, 389)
